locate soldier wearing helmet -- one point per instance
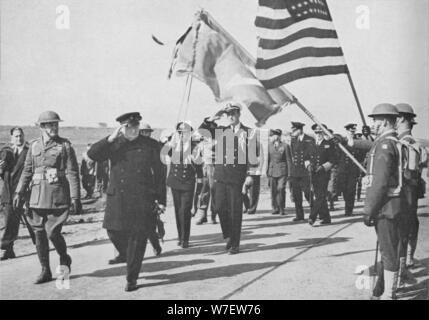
(412, 181)
(51, 172)
(383, 184)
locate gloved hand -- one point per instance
(366, 130)
(310, 168)
(77, 206)
(17, 201)
(161, 208)
(368, 221)
(336, 139)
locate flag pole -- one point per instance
(356, 96)
(349, 76)
(287, 93)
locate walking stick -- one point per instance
(376, 257)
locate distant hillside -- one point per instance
(79, 136)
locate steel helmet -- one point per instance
(405, 108)
(48, 116)
(384, 109)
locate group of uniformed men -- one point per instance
(227, 160)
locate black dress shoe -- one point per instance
(234, 250)
(131, 286)
(7, 254)
(179, 243)
(185, 244)
(325, 222)
(275, 212)
(157, 251)
(348, 214)
(311, 222)
(118, 259)
(298, 219)
(282, 213)
(228, 244)
(45, 276)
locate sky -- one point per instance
(106, 63)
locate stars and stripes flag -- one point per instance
(296, 39)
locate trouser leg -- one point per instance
(322, 193)
(185, 214)
(135, 252)
(254, 192)
(388, 238)
(274, 198)
(119, 240)
(305, 187)
(177, 203)
(280, 194)
(320, 206)
(297, 197)
(222, 208)
(235, 205)
(197, 196)
(59, 243)
(10, 226)
(349, 194)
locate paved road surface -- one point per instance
(279, 259)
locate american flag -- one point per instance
(296, 39)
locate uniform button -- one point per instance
(122, 191)
(122, 180)
(224, 165)
(139, 170)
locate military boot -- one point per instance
(390, 285)
(410, 253)
(42, 246)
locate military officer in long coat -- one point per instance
(319, 160)
(298, 174)
(51, 172)
(236, 150)
(184, 171)
(277, 170)
(135, 185)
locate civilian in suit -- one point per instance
(11, 166)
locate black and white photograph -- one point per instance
(214, 155)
